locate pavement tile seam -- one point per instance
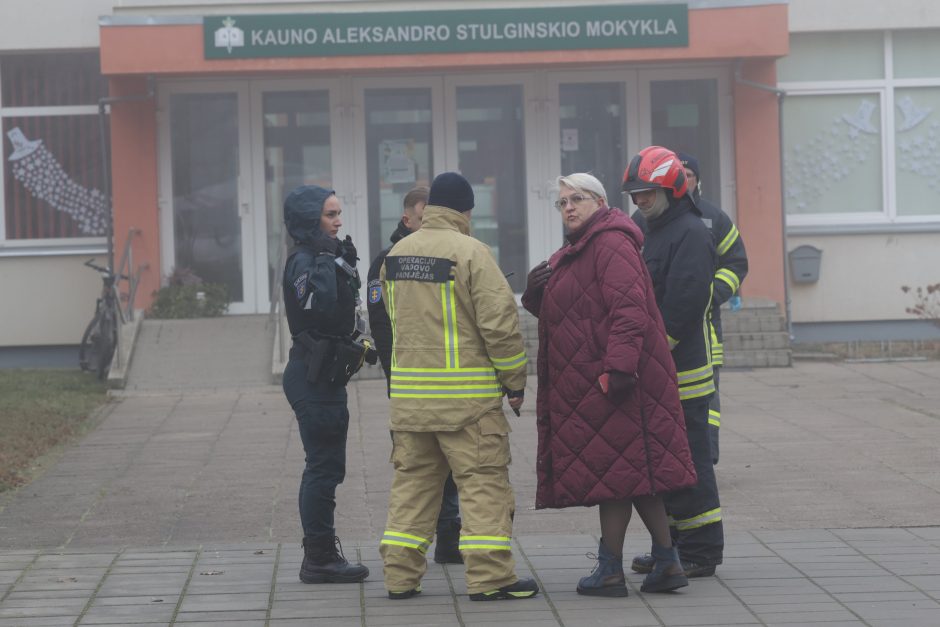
(551, 604)
(94, 594)
(189, 578)
(22, 575)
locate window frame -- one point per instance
(887, 219)
(49, 246)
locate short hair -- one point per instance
(583, 182)
(416, 195)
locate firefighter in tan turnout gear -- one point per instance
(456, 351)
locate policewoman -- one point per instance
(320, 297)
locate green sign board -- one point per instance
(419, 32)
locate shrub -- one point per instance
(186, 296)
(926, 302)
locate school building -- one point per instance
(816, 124)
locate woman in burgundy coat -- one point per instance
(610, 426)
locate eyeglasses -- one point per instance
(561, 203)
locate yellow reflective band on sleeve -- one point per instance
(697, 374)
(449, 305)
(714, 418)
(672, 341)
(390, 302)
(701, 520)
(728, 241)
(484, 543)
(406, 540)
(729, 277)
(509, 363)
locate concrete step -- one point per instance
(756, 341)
(775, 358)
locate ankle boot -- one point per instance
(324, 562)
(667, 572)
(448, 539)
(606, 580)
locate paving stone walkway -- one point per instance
(180, 508)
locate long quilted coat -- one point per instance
(597, 314)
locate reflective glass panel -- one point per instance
(398, 154)
(206, 224)
(917, 150)
(592, 133)
(491, 154)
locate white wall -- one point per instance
(51, 24)
(837, 15)
(58, 292)
(860, 276)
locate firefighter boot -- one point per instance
(448, 538)
(667, 573)
(324, 562)
(644, 564)
(522, 589)
(606, 580)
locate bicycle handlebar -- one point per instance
(106, 271)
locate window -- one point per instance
(52, 175)
(861, 124)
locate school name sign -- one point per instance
(412, 32)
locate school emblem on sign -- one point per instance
(375, 291)
(229, 36)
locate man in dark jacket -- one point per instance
(732, 268)
(448, 522)
(681, 257)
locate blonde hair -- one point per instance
(583, 182)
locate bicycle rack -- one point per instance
(124, 272)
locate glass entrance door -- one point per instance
(210, 230)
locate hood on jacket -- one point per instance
(401, 232)
(302, 210)
(604, 219)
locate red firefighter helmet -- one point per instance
(655, 167)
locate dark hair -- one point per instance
(416, 195)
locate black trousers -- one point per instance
(714, 418)
(696, 511)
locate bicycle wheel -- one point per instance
(88, 349)
(106, 340)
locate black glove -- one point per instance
(538, 277)
(514, 394)
(620, 384)
(323, 244)
(349, 251)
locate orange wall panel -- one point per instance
(728, 33)
(134, 182)
(757, 176)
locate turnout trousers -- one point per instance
(478, 456)
(695, 513)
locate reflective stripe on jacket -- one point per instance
(455, 327)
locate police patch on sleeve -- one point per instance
(375, 291)
(300, 286)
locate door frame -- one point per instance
(244, 184)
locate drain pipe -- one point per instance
(780, 93)
(103, 107)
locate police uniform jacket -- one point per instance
(379, 323)
(680, 255)
(455, 327)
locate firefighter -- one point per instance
(446, 549)
(732, 268)
(457, 350)
(320, 291)
(680, 254)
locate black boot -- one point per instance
(324, 562)
(446, 549)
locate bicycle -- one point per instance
(100, 337)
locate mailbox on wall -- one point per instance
(804, 264)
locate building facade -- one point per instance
(220, 108)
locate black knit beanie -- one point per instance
(451, 190)
(690, 162)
